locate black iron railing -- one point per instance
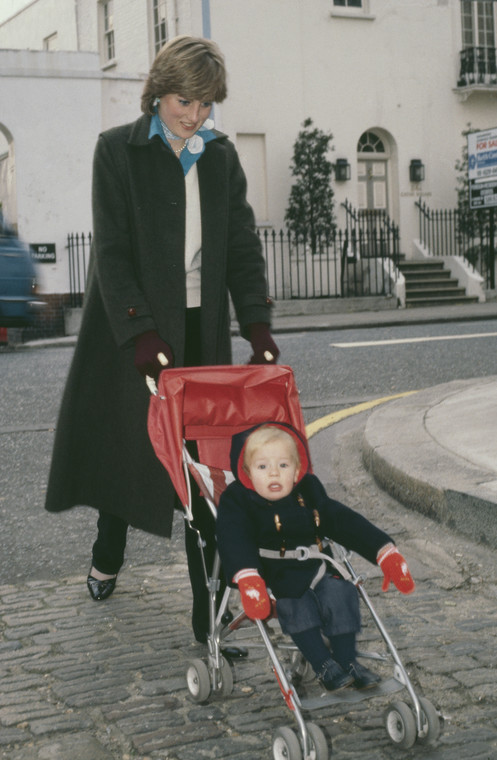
(450, 232)
(78, 247)
(360, 261)
(478, 66)
(354, 262)
(367, 220)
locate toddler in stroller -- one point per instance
(219, 407)
(276, 505)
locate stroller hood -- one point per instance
(238, 450)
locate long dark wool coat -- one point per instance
(102, 454)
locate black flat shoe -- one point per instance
(363, 677)
(234, 653)
(100, 590)
(333, 677)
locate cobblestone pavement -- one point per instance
(104, 681)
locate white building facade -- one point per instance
(393, 81)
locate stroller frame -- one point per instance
(404, 724)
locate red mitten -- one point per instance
(152, 354)
(255, 599)
(265, 349)
(395, 570)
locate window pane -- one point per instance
(160, 24)
(477, 23)
(467, 23)
(107, 10)
(486, 24)
(51, 42)
(108, 16)
(110, 45)
(370, 143)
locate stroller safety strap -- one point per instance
(303, 553)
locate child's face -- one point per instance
(273, 470)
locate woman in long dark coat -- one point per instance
(173, 237)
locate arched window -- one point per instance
(369, 142)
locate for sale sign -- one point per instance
(482, 168)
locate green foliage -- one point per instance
(310, 213)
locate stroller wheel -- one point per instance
(430, 722)
(400, 725)
(198, 681)
(286, 745)
(225, 678)
(318, 744)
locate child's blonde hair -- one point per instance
(268, 434)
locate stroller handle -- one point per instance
(152, 385)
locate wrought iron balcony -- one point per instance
(478, 67)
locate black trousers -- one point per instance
(109, 547)
(108, 555)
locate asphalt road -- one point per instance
(39, 545)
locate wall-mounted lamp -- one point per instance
(342, 170)
(416, 170)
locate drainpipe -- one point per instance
(206, 19)
(76, 16)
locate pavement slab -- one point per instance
(436, 452)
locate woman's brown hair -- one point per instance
(189, 66)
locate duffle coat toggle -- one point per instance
(279, 528)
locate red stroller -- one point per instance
(209, 405)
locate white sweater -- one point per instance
(193, 239)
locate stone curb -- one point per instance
(412, 467)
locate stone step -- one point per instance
(439, 300)
(412, 265)
(432, 282)
(427, 292)
(428, 283)
(422, 272)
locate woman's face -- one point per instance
(183, 117)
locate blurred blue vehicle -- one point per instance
(18, 302)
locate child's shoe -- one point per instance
(362, 677)
(333, 677)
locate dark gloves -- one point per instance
(152, 354)
(265, 349)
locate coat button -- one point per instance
(269, 301)
(131, 312)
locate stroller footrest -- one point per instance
(351, 696)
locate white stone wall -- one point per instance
(392, 68)
(53, 118)
(28, 28)
(87, 23)
(395, 71)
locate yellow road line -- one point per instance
(323, 422)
